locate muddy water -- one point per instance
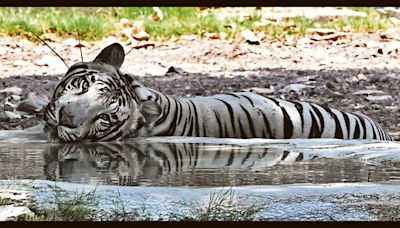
(205, 162)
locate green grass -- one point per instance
(79, 206)
(96, 23)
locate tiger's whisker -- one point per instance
(49, 47)
(79, 42)
(132, 48)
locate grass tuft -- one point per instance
(97, 23)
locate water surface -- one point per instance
(183, 161)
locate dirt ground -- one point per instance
(356, 72)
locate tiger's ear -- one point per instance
(113, 54)
(150, 110)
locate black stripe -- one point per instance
(246, 157)
(248, 98)
(231, 116)
(299, 108)
(321, 119)
(357, 129)
(363, 126)
(172, 125)
(166, 162)
(230, 159)
(347, 122)
(242, 132)
(314, 131)
(180, 111)
(232, 94)
(219, 123)
(165, 113)
(373, 128)
(300, 157)
(197, 126)
(190, 132)
(267, 126)
(251, 124)
(174, 154)
(338, 128)
(287, 125)
(274, 100)
(285, 154)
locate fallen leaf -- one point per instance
(213, 36)
(157, 14)
(125, 23)
(140, 36)
(321, 31)
(333, 37)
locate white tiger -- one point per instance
(95, 101)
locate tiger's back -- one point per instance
(249, 115)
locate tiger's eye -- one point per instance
(85, 86)
(105, 117)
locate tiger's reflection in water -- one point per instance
(160, 163)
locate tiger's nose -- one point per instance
(66, 119)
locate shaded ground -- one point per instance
(332, 69)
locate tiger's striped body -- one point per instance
(249, 115)
(95, 101)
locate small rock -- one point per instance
(250, 37)
(12, 115)
(173, 69)
(12, 101)
(14, 90)
(296, 88)
(378, 98)
(362, 77)
(261, 90)
(368, 92)
(10, 211)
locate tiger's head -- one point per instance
(94, 101)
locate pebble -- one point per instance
(260, 90)
(250, 37)
(296, 88)
(174, 69)
(368, 91)
(378, 98)
(12, 115)
(14, 90)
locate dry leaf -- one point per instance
(142, 35)
(332, 37)
(125, 23)
(321, 31)
(157, 14)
